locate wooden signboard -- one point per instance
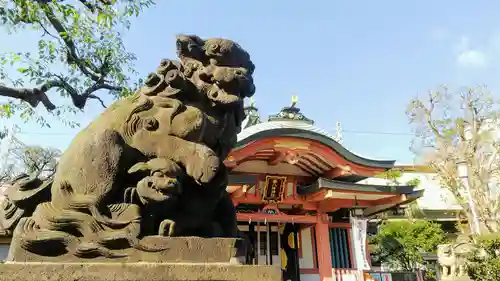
(274, 188)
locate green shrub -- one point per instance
(400, 243)
(484, 262)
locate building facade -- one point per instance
(298, 197)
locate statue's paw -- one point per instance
(203, 171)
(167, 228)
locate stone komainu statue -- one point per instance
(151, 164)
(452, 259)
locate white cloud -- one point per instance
(472, 58)
(469, 57)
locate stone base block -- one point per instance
(175, 250)
(137, 272)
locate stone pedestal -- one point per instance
(176, 250)
(186, 259)
(137, 272)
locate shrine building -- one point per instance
(298, 199)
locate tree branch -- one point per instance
(93, 7)
(95, 71)
(36, 95)
(88, 93)
(99, 99)
(32, 96)
(79, 100)
(428, 112)
(73, 57)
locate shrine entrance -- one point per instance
(274, 244)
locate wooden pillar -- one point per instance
(323, 248)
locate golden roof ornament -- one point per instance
(291, 113)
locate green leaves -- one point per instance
(6, 110)
(400, 243)
(391, 175)
(485, 266)
(80, 49)
(414, 182)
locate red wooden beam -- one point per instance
(256, 200)
(345, 225)
(260, 217)
(335, 204)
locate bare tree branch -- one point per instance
(460, 133)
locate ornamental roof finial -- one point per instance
(291, 113)
(295, 99)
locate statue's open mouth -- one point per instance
(163, 192)
(155, 189)
(158, 195)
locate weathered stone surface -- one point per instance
(137, 272)
(151, 164)
(178, 250)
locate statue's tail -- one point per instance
(55, 243)
(87, 203)
(22, 194)
(53, 231)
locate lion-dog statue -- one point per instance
(452, 258)
(150, 164)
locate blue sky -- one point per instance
(357, 62)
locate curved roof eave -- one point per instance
(305, 131)
(335, 184)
